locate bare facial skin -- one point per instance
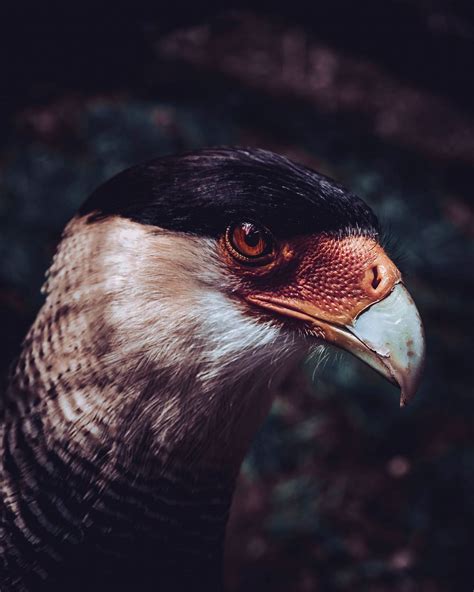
(344, 290)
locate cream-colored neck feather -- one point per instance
(141, 341)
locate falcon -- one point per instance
(180, 293)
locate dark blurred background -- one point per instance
(342, 490)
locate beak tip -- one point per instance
(410, 383)
(393, 331)
(408, 391)
(403, 400)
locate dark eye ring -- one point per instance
(250, 242)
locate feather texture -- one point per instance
(136, 395)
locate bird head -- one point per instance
(186, 286)
(178, 292)
(262, 254)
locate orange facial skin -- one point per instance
(322, 277)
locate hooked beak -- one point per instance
(392, 339)
(387, 335)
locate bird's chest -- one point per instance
(122, 532)
(156, 538)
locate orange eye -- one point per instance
(249, 242)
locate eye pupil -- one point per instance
(252, 235)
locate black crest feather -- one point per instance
(203, 192)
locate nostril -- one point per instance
(376, 279)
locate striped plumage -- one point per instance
(72, 495)
(81, 492)
(147, 372)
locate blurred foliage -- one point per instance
(342, 490)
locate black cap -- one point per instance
(205, 191)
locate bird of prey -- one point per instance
(179, 289)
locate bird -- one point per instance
(180, 293)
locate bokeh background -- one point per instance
(342, 490)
